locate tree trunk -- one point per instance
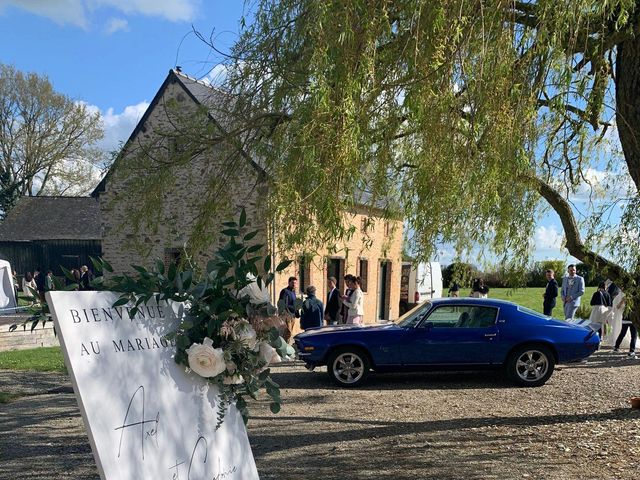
(628, 122)
(628, 104)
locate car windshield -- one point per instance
(413, 316)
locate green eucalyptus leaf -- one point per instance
(211, 266)
(267, 263)
(97, 265)
(107, 266)
(243, 218)
(284, 264)
(230, 232)
(250, 235)
(273, 335)
(274, 407)
(67, 274)
(160, 266)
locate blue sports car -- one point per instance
(454, 334)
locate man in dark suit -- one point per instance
(550, 293)
(333, 302)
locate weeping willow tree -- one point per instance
(467, 117)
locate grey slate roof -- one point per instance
(52, 218)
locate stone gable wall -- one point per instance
(177, 202)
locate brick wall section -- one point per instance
(178, 203)
(383, 246)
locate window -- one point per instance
(172, 255)
(462, 316)
(366, 224)
(387, 228)
(335, 268)
(363, 273)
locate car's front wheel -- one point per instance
(530, 365)
(348, 366)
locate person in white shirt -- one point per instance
(355, 302)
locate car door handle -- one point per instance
(490, 335)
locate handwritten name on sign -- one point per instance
(145, 416)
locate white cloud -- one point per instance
(76, 12)
(60, 11)
(118, 126)
(547, 238)
(217, 75)
(174, 10)
(115, 24)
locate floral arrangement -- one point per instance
(230, 333)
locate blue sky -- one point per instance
(114, 54)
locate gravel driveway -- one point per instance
(411, 426)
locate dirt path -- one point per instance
(440, 426)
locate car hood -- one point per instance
(338, 329)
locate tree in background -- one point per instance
(460, 272)
(536, 277)
(47, 140)
(467, 117)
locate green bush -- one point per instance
(584, 311)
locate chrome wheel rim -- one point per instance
(532, 365)
(348, 368)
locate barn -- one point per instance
(50, 232)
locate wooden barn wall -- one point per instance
(50, 254)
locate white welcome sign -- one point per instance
(146, 417)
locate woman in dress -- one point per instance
(28, 282)
(601, 306)
(355, 302)
(618, 312)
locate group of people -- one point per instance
(609, 306)
(478, 289)
(347, 308)
(40, 282)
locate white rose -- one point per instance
(233, 380)
(268, 354)
(205, 360)
(257, 295)
(246, 335)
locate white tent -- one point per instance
(7, 294)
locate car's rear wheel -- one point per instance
(530, 365)
(348, 366)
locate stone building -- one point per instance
(377, 260)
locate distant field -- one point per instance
(528, 297)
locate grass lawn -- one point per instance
(46, 359)
(529, 297)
